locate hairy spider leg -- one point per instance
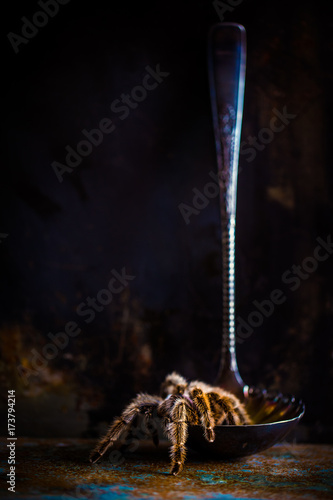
(243, 415)
(177, 412)
(216, 408)
(226, 408)
(202, 403)
(151, 415)
(144, 404)
(177, 430)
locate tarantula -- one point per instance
(180, 404)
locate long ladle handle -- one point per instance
(227, 62)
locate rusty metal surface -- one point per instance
(53, 470)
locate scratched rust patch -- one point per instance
(60, 468)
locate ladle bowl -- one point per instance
(273, 415)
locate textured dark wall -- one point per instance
(119, 208)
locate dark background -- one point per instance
(120, 208)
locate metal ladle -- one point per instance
(273, 415)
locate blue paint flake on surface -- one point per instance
(319, 487)
(211, 478)
(93, 491)
(326, 471)
(220, 496)
(89, 492)
(41, 497)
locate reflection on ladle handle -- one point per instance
(227, 61)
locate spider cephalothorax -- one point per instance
(180, 404)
